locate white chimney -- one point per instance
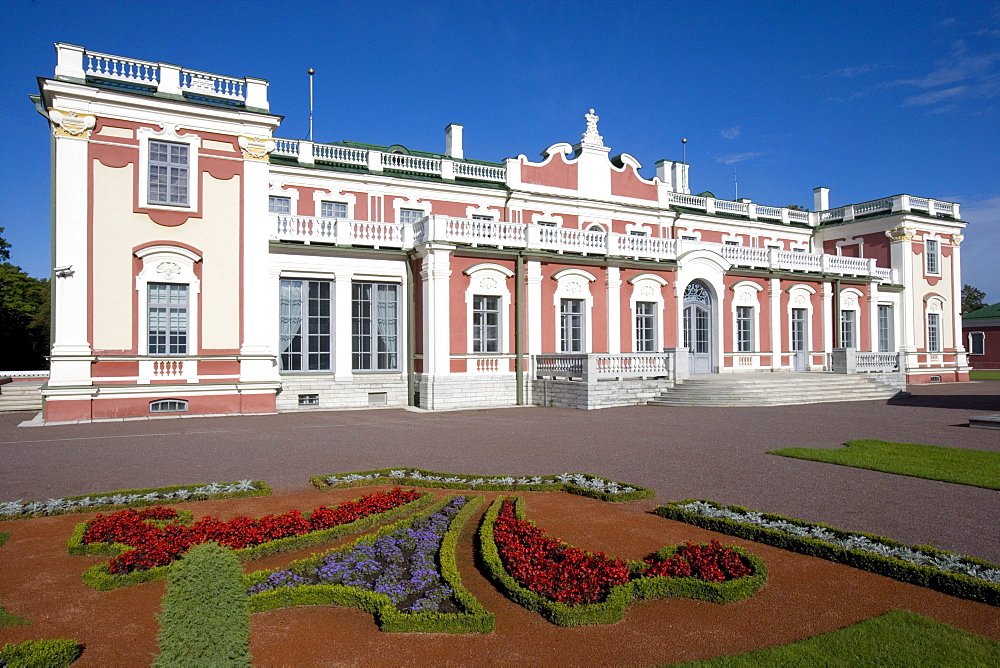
(821, 199)
(453, 141)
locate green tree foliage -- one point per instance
(973, 299)
(206, 615)
(25, 315)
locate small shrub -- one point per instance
(206, 617)
(40, 654)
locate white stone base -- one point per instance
(603, 394)
(362, 391)
(468, 391)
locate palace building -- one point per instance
(203, 264)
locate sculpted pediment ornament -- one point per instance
(168, 270)
(255, 148)
(956, 239)
(901, 234)
(71, 124)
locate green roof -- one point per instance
(985, 312)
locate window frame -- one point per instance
(932, 256)
(483, 342)
(176, 338)
(982, 343)
(409, 213)
(646, 330)
(334, 205)
(934, 333)
(849, 325)
(311, 355)
(886, 334)
(572, 326)
(744, 328)
(146, 136)
(284, 200)
(372, 356)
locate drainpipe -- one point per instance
(411, 334)
(519, 326)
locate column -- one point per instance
(342, 326)
(961, 358)
(435, 274)
(901, 252)
(828, 323)
(614, 285)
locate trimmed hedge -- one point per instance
(261, 488)
(474, 618)
(954, 584)
(612, 608)
(319, 481)
(100, 578)
(205, 619)
(40, 654)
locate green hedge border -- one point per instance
(612, 608)
(319, 481)
(475, 619)
(261, 488)
(954, 584)
(54, 653)
(100, 578)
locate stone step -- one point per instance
(773, 389)
(15, 397)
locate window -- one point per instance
(645, 327)
(637, 233)
(571, 325)
(410, 216)
(282, 205)
(168, 406)
(885, 338)
(933, 332)
(977, 343)
(773, 247)
(847, 329)
(732, 243)
(167, 318)
(305, 325)
(485, 324)
(333, 209)
(543, 223)
(799, 329)
(168, 173)
(932, 248)
(308, 400)
(798, 250)
(479, 217)
(744, 329)
(689, 238)
(374, 326)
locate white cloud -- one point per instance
(982, 237)
(962, 75)
(851, 72)
(733, 158)
(730, 133)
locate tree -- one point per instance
(972, 299)
(25, 314)
(796, 207)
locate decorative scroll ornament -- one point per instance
(956, 239)
(934, 306)
(590, 136)
(647, 291)
(901, 234)
(574, 288)
(71, 124)
(488, 283)
(744, 297)
(849, 301)
(255, 148)
(800, 299)
(168, 270)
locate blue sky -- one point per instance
(867, 98)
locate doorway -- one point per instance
(698, 327)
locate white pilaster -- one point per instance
(342, 309)
(774, 292)
(436, 274)
(828, 323)
(614, 284)
(901, 250)
(873, 317)
(534, 290)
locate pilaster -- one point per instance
(828, 323)
(614, 287)
(774, 294)
(435, 274)
(534, 289)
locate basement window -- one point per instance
(168, 406)
(308, 400)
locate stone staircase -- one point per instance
(21, 396)
(773, 389)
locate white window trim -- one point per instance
(320, 196)
(167, 264)
(169, 135)
(328, 278)
(892, 326)
(481, 210)
(795, 292)
(939, 254)
(574, 284)
(489, 280)
(547, 218)
(682, 232)
(934, 305)
(981, 334)
(278, 189)
(746, 293)
(852, 241)
(639, 229)
(408, 203)
(648, 288)
(850, 300)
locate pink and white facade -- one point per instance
(205, 265)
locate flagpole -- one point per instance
(311, 73)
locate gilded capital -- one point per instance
(956, 239)
(901, 233)
(255, 148)
(71, 124)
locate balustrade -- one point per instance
(593, 367)
(103, 66)
(213, 85)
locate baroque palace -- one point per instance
(202, 264)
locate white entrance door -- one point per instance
(698, 327)
(800, 339)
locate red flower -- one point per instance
(712, 562)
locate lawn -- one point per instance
(978, 468)
(984, 375)
(897, 638)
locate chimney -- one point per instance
(453, 141)
(821, 199)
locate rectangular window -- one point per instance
(799, 329)
(168, 173)
(374, 326)
(167, 323)
(847, 329)
(637, 233)
(732, 243)
(306, 325)
(933, 333)
(885, 338)
(933, 249)
(282, 205)
(688, 238)
(645, 327)
(977, 343)
(410, 216)
(333, 209)
(798, 250)
(744, 329)
(485, 324)
(477, 217)
(542, 223)
(571, 325)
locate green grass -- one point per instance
(10, 619)
(978, 468)
(897, 638)
(984, 375)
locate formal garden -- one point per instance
(526, 567)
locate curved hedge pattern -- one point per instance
(612, 608)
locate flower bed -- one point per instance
(405, 574)
(575, 483)
(147, 542)
(946, 572)
(570, 587)
(123, 498)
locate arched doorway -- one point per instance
(698, 327)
